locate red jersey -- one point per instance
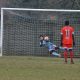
(67, 32)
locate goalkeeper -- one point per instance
(45, 41)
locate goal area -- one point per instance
(21, 28)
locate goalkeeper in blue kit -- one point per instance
(45, 42)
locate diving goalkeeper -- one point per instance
(45, 42)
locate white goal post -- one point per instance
(26, 9)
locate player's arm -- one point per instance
(73, 39)
(61, 37)
(41, 40)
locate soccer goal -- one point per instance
(21, 28)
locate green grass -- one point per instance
(38, 68)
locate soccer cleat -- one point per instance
(65, 62)
(72, 62)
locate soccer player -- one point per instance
(67, 40)
(51, 47)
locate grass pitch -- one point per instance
(38, 68)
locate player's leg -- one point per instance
(54, 53)
(62, 48)
(65, 53)
(71, 52)
(71, 56)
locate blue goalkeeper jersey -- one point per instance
(50, 45)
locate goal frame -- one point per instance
(27, 9)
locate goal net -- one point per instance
(21, 28)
